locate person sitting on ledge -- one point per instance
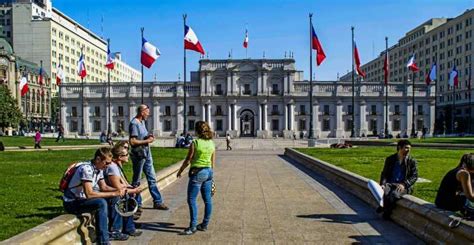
(455, 192)
(398, 176)
(88, 192)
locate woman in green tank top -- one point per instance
(201, 157)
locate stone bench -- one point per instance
(72, 229)
(421, 218)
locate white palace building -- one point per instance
(252, 98)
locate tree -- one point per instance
(55, 110)
(10, 114)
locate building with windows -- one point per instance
(39, 32)
(446, 41)
(251, 97)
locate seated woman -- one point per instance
(115, 177)
(456, 187)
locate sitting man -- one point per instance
(455, 192)
(398, 176)
(87, 192)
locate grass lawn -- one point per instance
(29, 141)
(433, 164)
(29, 192)
(447, 140)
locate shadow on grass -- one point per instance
(161, 226)
(44, 213)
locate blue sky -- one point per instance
(274, 27)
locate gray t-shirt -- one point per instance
(85, 172)
(112, 170)
(138, 129)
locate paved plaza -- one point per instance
(264, 198)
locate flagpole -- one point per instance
(353, 118)
(454, 108)
(436, 129)
(470, 110)
(82, 95)
(109, 123)
(184, 80)
(386, 90)
(142, 29)
(59, 88)
(413, 105)
(41, 97)
(311, 133)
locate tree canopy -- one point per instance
(10, 114)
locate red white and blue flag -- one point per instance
(59, 74)
(431, 76)
(316, 45)
(23, 86)
(40, 77)
(357, 62)
(149, 53)
(81, 67)
(412, 65)
(453, 77)
(110, 63)
(191, 41)
(246, 40)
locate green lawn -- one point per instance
(29, 141)
(29, 192)
(447, 140)
(433, 164)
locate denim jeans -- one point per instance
(97, 205)
(202, 181)
(146, 165)
(117, 222)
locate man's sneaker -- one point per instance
(201, 227)
(118, 236)
(135, 233)
(188, 231)
(160, 206)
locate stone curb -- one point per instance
(421, 218)
(426, 145)
(70, 229)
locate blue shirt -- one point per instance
(398, 174)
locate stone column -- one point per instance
(260, 117)
(409, 118)
(229, 83)
(234, 122)
(179, 117)
(63, 118)
(203, 112)
(286, 117)
(156, 119)
(259, 82)
(432, 118)
(292, 117)
(316, 123)
(339, 120)
(86, 118)
(209, 119)
(132, 111)
(265, 115)
(229, 117)
(363, 118)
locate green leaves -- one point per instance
(10, 114)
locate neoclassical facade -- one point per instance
(251, 97)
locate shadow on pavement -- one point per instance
(160, 226)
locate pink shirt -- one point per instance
(38, 137)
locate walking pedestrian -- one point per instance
(38, 139)
(202, 158)
(227, 140)
(60, 133)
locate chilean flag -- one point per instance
(110, 60)
(149, 53)
(316, 45)
(81, 67)
(412, 65)
(357, 61)
(246, 40)
(40, 77)
(432, 75)
(23, 86)
(191, 41)
(59, 74)
(386, 69)
(453, 77)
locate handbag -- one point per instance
(138, 151)
(213, 188)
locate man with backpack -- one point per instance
(86, 191)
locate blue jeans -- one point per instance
(97, 206)
(146, 165)
(202, 181)
(119, 223)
